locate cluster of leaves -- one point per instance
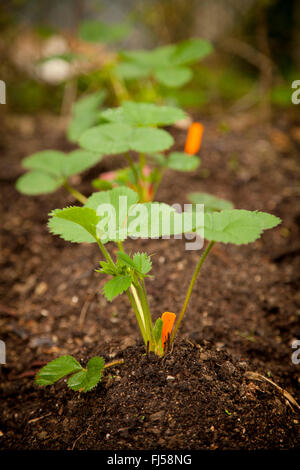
(169, 65)
(131, 127)
(126, 271)
(129, 218)
(50, 169)
(80, 379)
(88, 224)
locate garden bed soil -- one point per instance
(243, 315)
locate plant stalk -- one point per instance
(80, 197)
(146, 314)
(117, 362)
(138, 310)
(190, 289)
(105, 253)
(136, 176)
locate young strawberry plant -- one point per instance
(113, 216)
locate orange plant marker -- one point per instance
(194, 138)
(168, 319)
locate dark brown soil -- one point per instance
(244, 312)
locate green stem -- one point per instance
(138, 316)
(117, 362)
(148, 309)
(140, 307)
(189, 292)
(146, 313)
(142, 163)
(80, 197)
(136, 176)
(120, 246)
(105, 253)
(157, 183)
(118, 86)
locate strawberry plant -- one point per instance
(113, 216)
(130, 127)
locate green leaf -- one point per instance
(159, 159)
(142, 262)
(266, 220)
(115, 215)
(51, 168)
(132, 71)
(57, 369)
(157, 330)
(86, 380)
(159, 57)
(78, 125)
(63, 366)
(237, 226)
(108, 139)
(75, 224)
(143, 114)
(125, 258)
(85, 114)
(116, 286)
(173, 77)
(150, 140)
(211, 203)
(112, 197)
(48, 161)
(78, 161)
(183, 162)
(191, 50)
(112, 226)
(155, 220)
(97, 31)
(117, 138)
(164, 62)
(37, 182)
(102, 185)
(89, 103)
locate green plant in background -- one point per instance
(51, 169)
(103, 33)
(115, 215)
(144, 71)
(169, 65)
(130, 127)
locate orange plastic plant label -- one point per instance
(194, 138)
(168, 319)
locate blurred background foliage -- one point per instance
(53, 52)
